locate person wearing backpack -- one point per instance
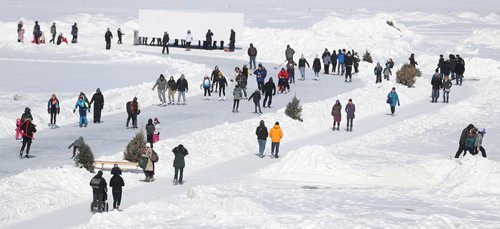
(99, 187)
(378, 73)
(150, 130)
(446, 88)
(116, 183)
(27, 129)
(392, 100)
(180, 152)
(262, 134)
(132, 111)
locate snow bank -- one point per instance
(484, 37)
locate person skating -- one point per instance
(53, 32)
(262, 135)
(27, 129)
(156, 133)
(98, 101)
(53, 109)
(232, 40)
(205, 85)
(302, 67)
(83, 107)
(350, 108)
(446, 89)
(222, 87)
(290, 68)
(378, 73)
(256, 100)
(119, 34)
(276, 134)
(260, 74)
(282, 81)
(327, 58)
(334, 57)
(252, 53)
(150, 131)
(172, 87)
(182, 89)
(107, 37)
(237, 94)
(133, 110)
(349, 60)
(337, 115)
(74, 33)
(189, 39)
(116, 183)
(412, 60)
(269, 92)
(76, 145)
(214, 77)
(316, 67)
(208, 39)
(392, 100)
(165, 41)
(99, 189)
(242, 79)
(436, 86)
(161, 83)
(179, 152)
(149, 169)
(463, 139)
(289, 53)
(341, 60)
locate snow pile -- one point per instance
(485, 37)
(367, 33)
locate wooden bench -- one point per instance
(118, 163)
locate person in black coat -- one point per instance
(116, 183)
(222, 86)
(437, 84)
(269, 91)
(208, 39)
(28, 129)
(232, 40)
(98, 100)
(182, 88)
(262, 135)
(99, 188)
(349, 61)
(440, 66)
(120, 34)
(463, 139)
(256, 100)
(74, 33)
(37, 32)
(132, 111)
(180, 152)
(107, 37)
(413, 62)
(316, 66)
(165, 40)
(334, 57)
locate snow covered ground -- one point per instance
(389, 172)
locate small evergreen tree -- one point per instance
(135, 147)
(85, 158)
(406, 75)
(367, 57)
(294, 109)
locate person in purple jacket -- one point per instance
(350, 108)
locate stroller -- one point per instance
(94, 207)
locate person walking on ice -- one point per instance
(172, 87)
(161, 83)
(53, 109)
(182, 89)
(98, 100)
(350, 108)
(262, 134)
(256, 100)
(116, 183)
(337, 115)
(237, 94)
(27, 129)
(83, 107)
(392, 100)
(276, 134)
(179, 152)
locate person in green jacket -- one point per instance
(180, 152)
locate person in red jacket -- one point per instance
(28, 129)
(283, 81)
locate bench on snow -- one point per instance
(124, 165)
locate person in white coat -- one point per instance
(189, 39)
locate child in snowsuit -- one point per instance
(156, 134)
(82, 106)
(205, 85)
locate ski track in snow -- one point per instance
(397, 167)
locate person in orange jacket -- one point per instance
(275, 134)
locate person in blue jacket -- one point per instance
(340, 58)
(392, 100)
(260, 75)
(82, 106)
